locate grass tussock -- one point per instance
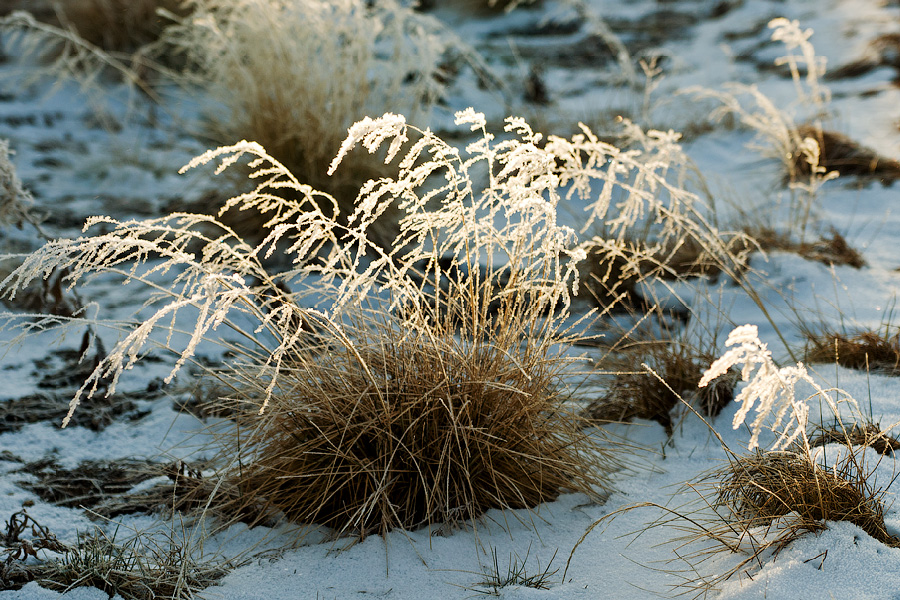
(753, 508)
(759, 503)
(636, 392)
(830, 249)
(841, 154)
(411, 429)
(866, 433)
(878, 350)
(759, 488)
(324, 65)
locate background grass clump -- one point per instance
(323, 66)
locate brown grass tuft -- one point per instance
(611, 274)
(830, 249)
(637, 393)
(400, 429)
(877, 350)
(866, 434)
(762, 487)
(849, 158)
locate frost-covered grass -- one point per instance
(433, 381)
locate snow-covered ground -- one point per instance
(76, 168)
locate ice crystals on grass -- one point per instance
(371, 133)
(475, 120)
(771, 386)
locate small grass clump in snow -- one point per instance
(866, 433)
(636, 392)
(146, 566)
(495, 580)
(762, 487)
(829, 249)
(878, 350)
(841, 154)
(143, 567)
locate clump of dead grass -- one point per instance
(829, 249)
(759, 488)
(382, 387)
(842, 154)
(878, 350)
(408, 429)
(142, 567)
(866, 433)
(324, 65)
(146, 566)
(636, 392)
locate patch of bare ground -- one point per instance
(58, 375)
(86, 485)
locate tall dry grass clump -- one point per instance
(409, 429)
(293, 76)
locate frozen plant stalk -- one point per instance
(772, 386)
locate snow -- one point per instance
(75, 169)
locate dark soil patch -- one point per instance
(88, 484)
